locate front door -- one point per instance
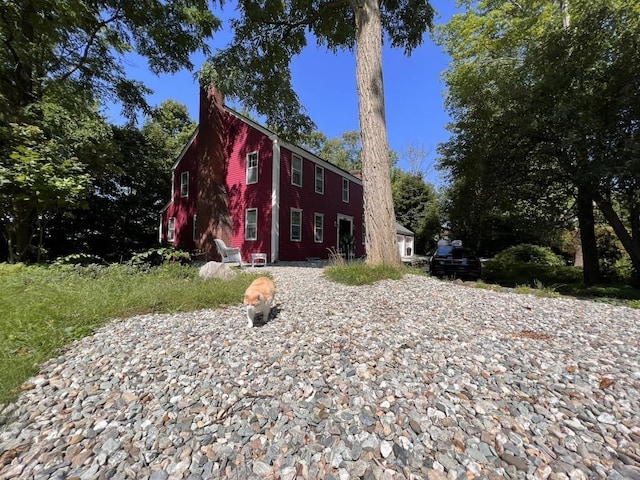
(346, 243)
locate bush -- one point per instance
(529, 265)
(159, 256)
(79, 259)
(529, 254)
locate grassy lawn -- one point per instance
(45, 308)
(359, 273)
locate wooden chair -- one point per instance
(228, 254)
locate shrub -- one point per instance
(79, 259)
(529, 254)
(529, 265)
(159, 256)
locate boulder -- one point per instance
(216, 270)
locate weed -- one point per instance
(359, 273)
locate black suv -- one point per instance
(452, 260)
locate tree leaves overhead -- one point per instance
(46, 42)
(255, 68)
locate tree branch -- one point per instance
(90, 42)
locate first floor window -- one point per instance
(296, 225)
(345, 190)
(171, 230)
(184, 184)
(296, 170)
(195, 228)
(318, 227)
(252, 167)
(251, 224)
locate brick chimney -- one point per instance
(213, 217)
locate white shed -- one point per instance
(405, 242)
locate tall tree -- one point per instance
(416, 204)
(546, 106)
(121, 212)
(70, 55)
(256, 69)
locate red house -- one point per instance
(238, 181)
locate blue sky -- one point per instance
(325, 83)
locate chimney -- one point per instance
(213, 217)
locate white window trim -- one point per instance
(246, 223)
(315, 227)
(318, 169)
(345, 183)
(296, 157)
(184, 184)
(171, 229)
(295, 210)
(249, 168)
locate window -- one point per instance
(251, 224)
(195, 228)
(319, 179)
(296, 225)
(296, 170)
(171, 230)
(345, 190)
(184, 184)
(318, 227)
(252, 167)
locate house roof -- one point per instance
(402, 230)
(294, 148)
(271, 134)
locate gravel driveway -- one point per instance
(415, 378)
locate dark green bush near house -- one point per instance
(160, 256)
(529, 265)
(80, 259)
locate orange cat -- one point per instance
(258, 298)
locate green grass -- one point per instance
(45, 308)
(358, 273)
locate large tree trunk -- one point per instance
(586, 222)
(631, 247)
(380, 235)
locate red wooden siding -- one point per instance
(216, 160)
(182, 208)
(243, 139)
(329, 204)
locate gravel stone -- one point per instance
(408, 379)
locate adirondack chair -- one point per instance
(228, 254)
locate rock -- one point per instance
(217, 270)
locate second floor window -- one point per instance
(252, 167)
(319, 179)
(184, 184)
(345, 190)
(296, 170)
